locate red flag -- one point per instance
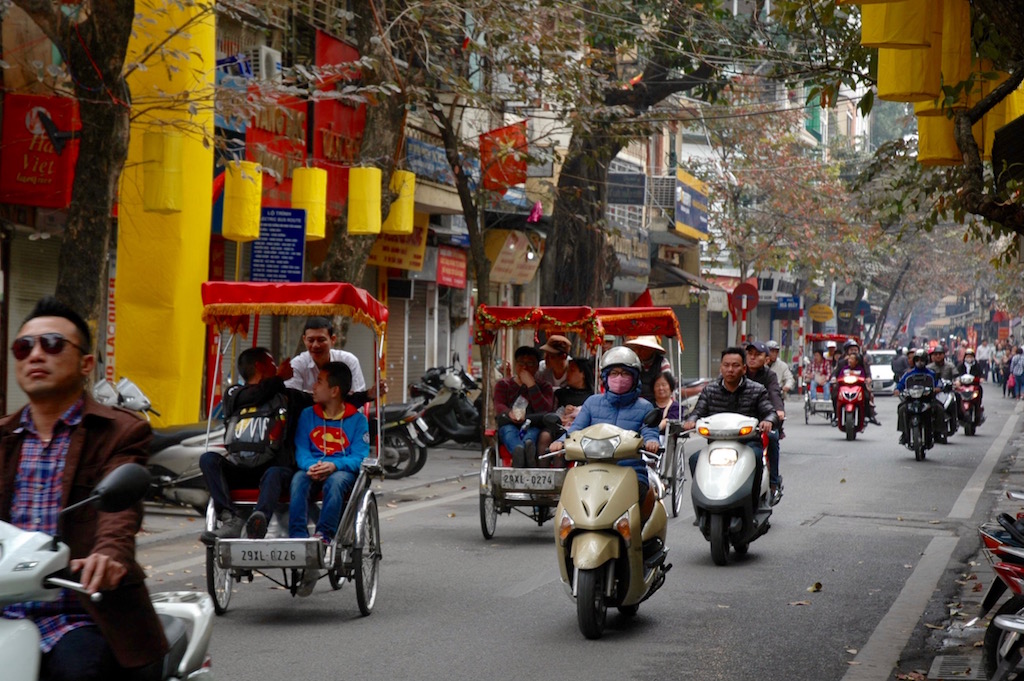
(644, 300)
(503, 157)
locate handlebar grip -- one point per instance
(74, 586)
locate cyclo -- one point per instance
(504, 489)
(354, 553)
(816, 403)
(656, 321)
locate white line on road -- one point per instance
(968, 499)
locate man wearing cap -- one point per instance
(781, 369)
(554, 369)
(653, 363)
(757, 357)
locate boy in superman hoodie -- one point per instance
(331, 440)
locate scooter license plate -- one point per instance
(529, 478)
(272, 553)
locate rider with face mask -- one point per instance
(920, 361)
(621, 405)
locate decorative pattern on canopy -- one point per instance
(228, 304)
(639, 321)
(580, 320)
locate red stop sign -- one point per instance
(737, 301)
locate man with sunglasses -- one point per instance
(52, 453)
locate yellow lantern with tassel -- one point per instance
(364, 193)
(161, 171)
(309, 192)
(243, 194)
(956, 56)
(897, 25)
(403, 208)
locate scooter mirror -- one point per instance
(552, 420)
(653, 418)
(122, 487)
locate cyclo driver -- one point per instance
(620, 405)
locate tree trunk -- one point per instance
(894, 291)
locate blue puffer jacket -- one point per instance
(625, 411)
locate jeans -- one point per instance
(826, 394)
(84, 655)
(335, 487)
(509, 436)
(1018, 385)
(221, 476)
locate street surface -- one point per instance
(884, 537)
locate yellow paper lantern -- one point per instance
(403, 208)
(897, 25)
(936, 143)
(956, 65)
(161, 171)
(243, 194)
(309, 192)
(913, 75)
(364, 200)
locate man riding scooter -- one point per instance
(850, 348)
(919, 367)
(946, 416)
(970, 366)
(757, 370)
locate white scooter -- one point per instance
(724, 483)
(33, 567)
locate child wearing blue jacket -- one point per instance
(331, 440)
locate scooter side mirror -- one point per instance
(122, 487)
(653, 418)
(552, 420)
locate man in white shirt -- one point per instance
(984, 355)
(318, 336)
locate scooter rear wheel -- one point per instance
(218, 583)
(718, 534)
(591, 608)
(408, 454)
(994, 637)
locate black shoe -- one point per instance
(530, 454)
(256, 527)
(518, 457)
(230, 528)
(775, 496)
(874, 420)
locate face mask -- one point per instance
(620, 384)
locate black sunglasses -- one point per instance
(52, 344)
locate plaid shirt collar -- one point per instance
(71, 417)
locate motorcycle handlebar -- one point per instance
(74, 586)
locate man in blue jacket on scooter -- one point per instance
(621, 405)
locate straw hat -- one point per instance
(645, 342)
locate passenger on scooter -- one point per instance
(920, 367)
(620, 405)
(942, 368)
(757, 358)
(554, 366)
(537, 396)
(856, 359)
(653, 362)
(302, 371)
(331, 440)
(734, 392)
(263, 387)
(64, 436)
(974, 368)
(781, 369)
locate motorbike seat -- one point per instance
(393, 412)
(177, 640)
(172, 435)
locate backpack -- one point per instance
(254, 435)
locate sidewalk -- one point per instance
(445, 464)
(949, 648)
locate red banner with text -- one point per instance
(40, 149)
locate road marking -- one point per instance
(968, 499)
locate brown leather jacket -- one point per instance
(105, 439)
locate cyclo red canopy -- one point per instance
(579, 319)
(228, 304)
(825, 337)
(639, 321)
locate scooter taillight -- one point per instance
(1012, 575)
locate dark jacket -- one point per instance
(106, 438)
(240, 396)
(975, 370)
(900, 365)
(749, 399)
(770, 380)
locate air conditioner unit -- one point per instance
(265, 63)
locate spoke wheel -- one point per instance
(994, 637)
(719, 540)
(678, 478)
(366, 559)
(407, 454)
(807, 412)
(336, 573)
(488, 509)
(591, 607)
(218, 583)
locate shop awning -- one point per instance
(665, 275)
(938, 323)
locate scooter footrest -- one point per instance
(655, 560)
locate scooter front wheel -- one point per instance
(719, 537)
(850, 427)
(591, 607)
(994, 637)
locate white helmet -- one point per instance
(620, 356)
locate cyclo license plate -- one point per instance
(274, 553)
(529, 478)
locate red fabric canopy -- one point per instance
(228, 303)
(581, 320)
(824, 337)
(639, 321)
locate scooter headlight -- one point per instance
(723, 457)
(916, 392)
(600, 449)
(624, 529)
(565, 526)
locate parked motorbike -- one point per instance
(968, 397)
(1004, 549)
(851, 405)
(34, 567)
(950, 412)
(449, 413)
(609, 555)
(403, 452)
(689, 390)
(174, 451)
(730, 500)
(917, 403)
